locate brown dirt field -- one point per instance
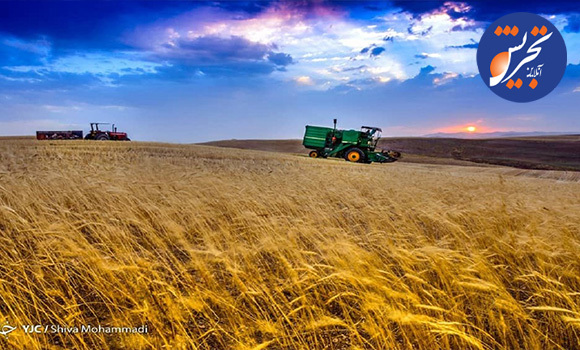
(541, 153)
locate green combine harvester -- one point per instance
(352, 145)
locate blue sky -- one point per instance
(198, 71)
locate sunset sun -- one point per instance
(471, 128)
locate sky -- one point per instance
(180, 71)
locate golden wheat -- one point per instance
(229, 249)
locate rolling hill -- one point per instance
(560, 152)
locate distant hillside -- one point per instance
(497, 134)
(537, 152)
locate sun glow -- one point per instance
(471, 128)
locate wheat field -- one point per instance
(234, 249)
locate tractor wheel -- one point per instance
(102, 137)
(313, 154)
(355, 155)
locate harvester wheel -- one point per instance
(102, 137)
(355, 155)
(313, 154)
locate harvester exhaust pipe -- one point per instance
(335, 120)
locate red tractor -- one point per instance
(105, 135)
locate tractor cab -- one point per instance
(95, 127)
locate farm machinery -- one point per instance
(59, 135)
(104, 135)
(94, 134)
(352, 145)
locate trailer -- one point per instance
(60, 135)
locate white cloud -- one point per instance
(446, 78)
(75, 107)
(431, 55)
(61, 109)
(304, 80)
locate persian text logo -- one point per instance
(521, 57)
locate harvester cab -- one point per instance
(373, 134)
(352, 145)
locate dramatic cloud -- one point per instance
(202, 64)
(487, 11)
(215, 49)
(220, 55)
